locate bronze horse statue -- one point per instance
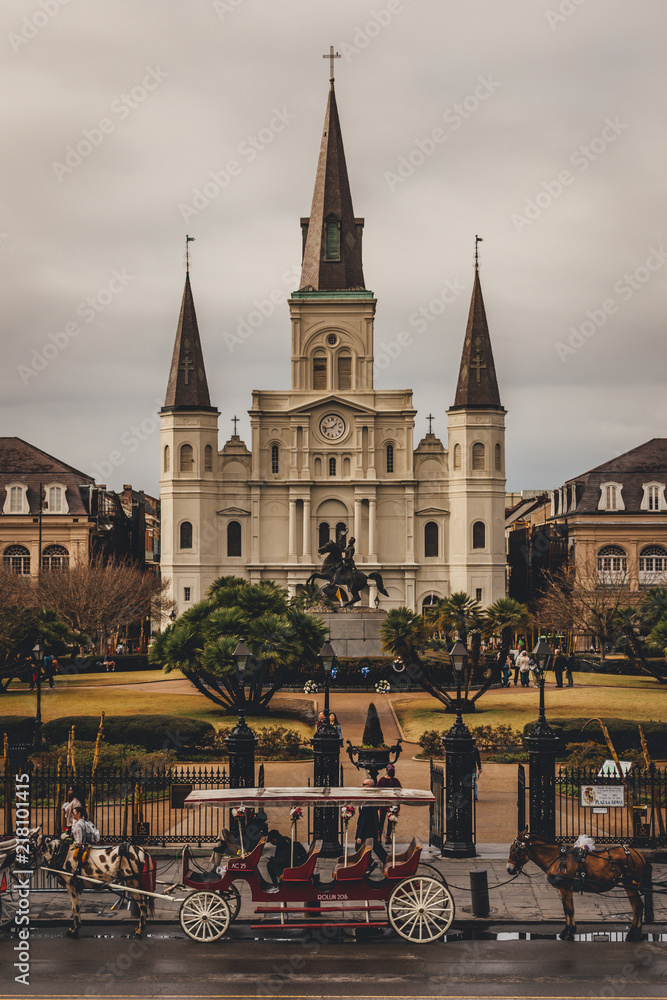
(343, 576)
(570, 869)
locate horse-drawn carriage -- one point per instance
(411, 897)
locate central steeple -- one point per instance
(332, 235)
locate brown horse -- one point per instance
(124, 863)
(595, 871)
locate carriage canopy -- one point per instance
(222, 797)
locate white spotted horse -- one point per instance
(124, 864)
(570, 869)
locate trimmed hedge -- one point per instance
(624, 733)
(152, 732)
(19, 728)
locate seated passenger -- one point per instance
(283, 857)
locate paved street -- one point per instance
(107, 963)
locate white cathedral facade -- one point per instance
(332, 453)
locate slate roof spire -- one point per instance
(332, 235)
(187, 388)
(477, 386)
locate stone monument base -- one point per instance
(354, 631)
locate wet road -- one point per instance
(107, 962)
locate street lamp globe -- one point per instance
(458, 655)
(241, 655)
(326, 655)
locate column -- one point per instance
(254, 524)
(292, 531)
(357, 520)
(293, 471)
(307, 557)
(372, 548)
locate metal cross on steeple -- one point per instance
(430, 423)
(186, 366)
(478, 240)
(478, 364)
(331, 55)
(188, 241)
(235, 421)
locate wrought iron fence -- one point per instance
(612, 810)
(436, 837)
(126, 803)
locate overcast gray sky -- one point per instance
(539, 124)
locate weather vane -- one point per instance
(188, 241)
(331, 55)
(478, 240)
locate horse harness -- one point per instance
(579, 879)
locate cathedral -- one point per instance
(333, 456)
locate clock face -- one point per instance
(332, 427)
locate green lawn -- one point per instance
(592, 695)
(93, 693)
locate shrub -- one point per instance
(498, 739)
(431, 743)
(591, 754)
(373, 735)
(19, 728)
(274, 742)
(152, 732)
(624, 732)
(111, 755)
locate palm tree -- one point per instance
(454, 614)
(404, 633)
(507, 617)
(657, 639)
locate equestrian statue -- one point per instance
(340, 572)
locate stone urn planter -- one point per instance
(373, 759)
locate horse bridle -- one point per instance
(520, 846)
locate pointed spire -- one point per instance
(477, 387)
(332, 246)
(187, 388)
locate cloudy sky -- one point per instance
(538, 124)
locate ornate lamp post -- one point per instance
(38, 654)
(542, 745)
(241, 742)
(326, 767)
(459, 770)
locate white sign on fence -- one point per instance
(603, 795)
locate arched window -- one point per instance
(317, 468)
(55, 500)
(319, 371)
(344, 371)
(323, 534)
(479, 535)
(332, 251)
(275, 459)
(653, 566)
(429, 602)
(186, 535)
(457, 456)
(341, 530)
(612, 565)
(17, 503)
(611, 496)
(478, 456)
(390, 458)
(233, 539)
(332, 466)
(208, 458)
(55, 557)
(430, 539)
(167, 459)
(17, 559)
(187, 458)
(498, 458)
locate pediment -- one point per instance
(234, 510)
(332, 399)
(432, 510)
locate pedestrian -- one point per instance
(321, 719)
(120, 649)
(477, 770)
(256, 827)
(559, 665)
(388, 780)
(515, 660)
(569, 664)
(284, 856)
(523, 661)
(50, 667)
(333, 721)
(109, 663)
(83, 831)
(507, 670)
(368, 825)
(75, 799)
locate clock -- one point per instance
(332, 427)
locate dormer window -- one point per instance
(654, 497)
(16, 499)
(56, 499)
(611, 497)
(332, 240)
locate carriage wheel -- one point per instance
(204, 916)
(232, 897)
(430, 871)
(420, 909)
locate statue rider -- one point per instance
(349, 565)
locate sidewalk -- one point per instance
(523, 900)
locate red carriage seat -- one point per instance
(357, 863)
(303, 873)
(247, 862)
(405, 863)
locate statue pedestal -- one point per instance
(354, 631)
